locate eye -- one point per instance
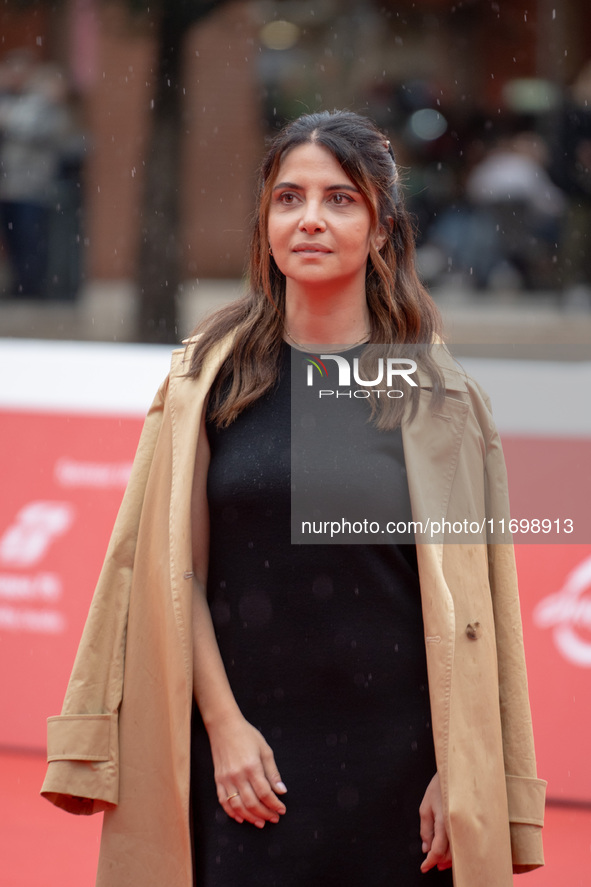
(340, 199)
(287, 198)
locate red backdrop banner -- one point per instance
(63, 474)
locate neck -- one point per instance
(326, 318)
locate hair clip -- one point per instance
(388, 148)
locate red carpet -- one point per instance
(41, 846)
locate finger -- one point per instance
(259, 791)
(272, 772)
(427, 829)
(446, 863)
(251, 809)
(262, 786)
(266, 797)
(427, 843)
(439, 852)
(236, 811)
(226, 797)
(241, 803)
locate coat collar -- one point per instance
(432, 440)
(453, 375)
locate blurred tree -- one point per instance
(158, 275)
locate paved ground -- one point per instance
(41, 846)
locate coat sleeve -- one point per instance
(525, 792)
(82, 742)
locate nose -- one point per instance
(312, 220)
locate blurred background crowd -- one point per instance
(130, 135)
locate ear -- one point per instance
(382, 234)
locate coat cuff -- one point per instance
(83, 769)
(526, 798)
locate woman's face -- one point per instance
(319, 225)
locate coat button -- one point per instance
(473, 630)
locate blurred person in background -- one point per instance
(572, 170)
(35, 127)
(506, 229)
(514, 194)
(251, 712)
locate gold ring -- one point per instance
(235, 795)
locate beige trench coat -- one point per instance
(122, 742)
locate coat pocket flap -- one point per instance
(526, 798)
(79, 737)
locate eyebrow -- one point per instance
(295, 187)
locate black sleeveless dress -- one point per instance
(324, 650)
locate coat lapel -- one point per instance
(432, 441)
(187, 397)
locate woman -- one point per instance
(307, 664)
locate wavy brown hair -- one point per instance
(401, 311)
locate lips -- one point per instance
(311, 248)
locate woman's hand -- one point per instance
(433, 833)
(246, 775)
